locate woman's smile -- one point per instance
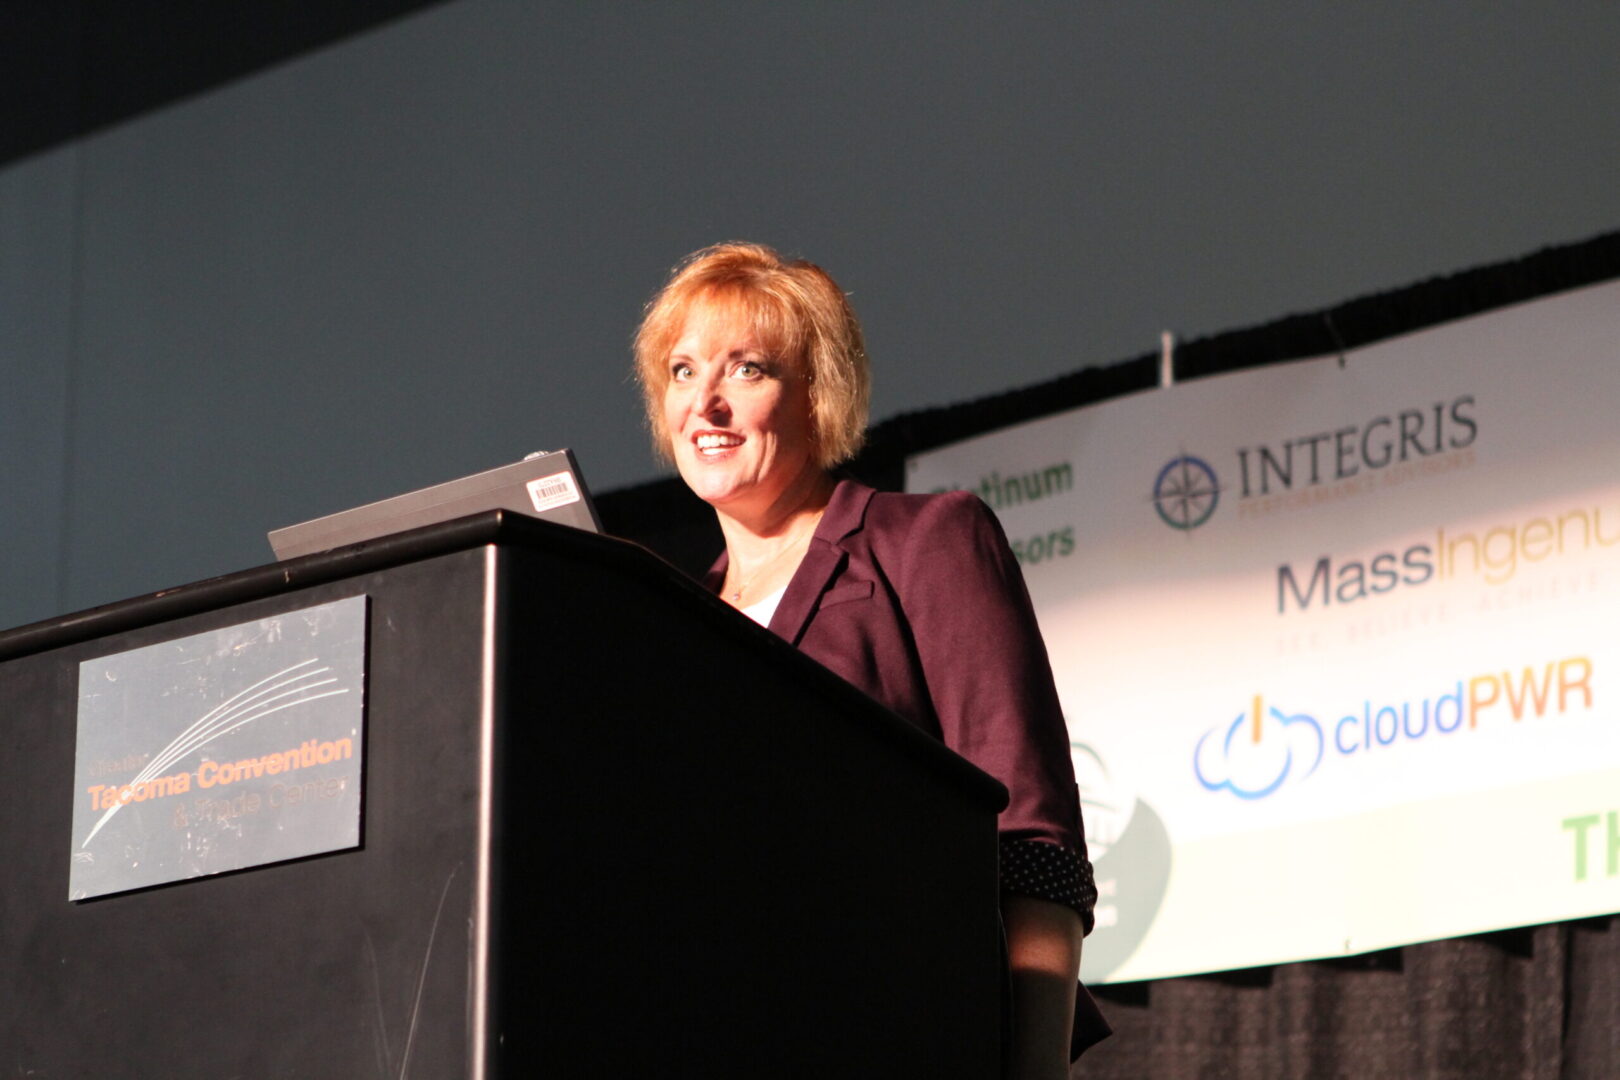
(712, 444)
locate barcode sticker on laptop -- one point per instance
(550, 492)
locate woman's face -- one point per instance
(739, 420)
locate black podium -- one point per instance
(609, 828)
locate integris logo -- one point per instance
(1320, 466)
(1344, 453)
(1186, 492)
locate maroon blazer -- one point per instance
(918, 601)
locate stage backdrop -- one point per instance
(1338, 641)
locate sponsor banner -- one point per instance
(1334, 639)
(219, 751)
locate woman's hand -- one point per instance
(1043, 951)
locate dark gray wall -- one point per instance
(421, 252)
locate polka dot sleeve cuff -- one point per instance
(1048, 872)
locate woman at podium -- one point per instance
(756, 384)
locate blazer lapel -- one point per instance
(846, 512)
(820, 565)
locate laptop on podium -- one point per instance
(546, 485)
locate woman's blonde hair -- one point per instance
(796, 313)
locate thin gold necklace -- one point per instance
(742, 587)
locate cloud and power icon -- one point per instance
(1251, 758)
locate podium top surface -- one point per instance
(493, 526)
(503, 528)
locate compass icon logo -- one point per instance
(1186, 492)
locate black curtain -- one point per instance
(1539, 1003)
